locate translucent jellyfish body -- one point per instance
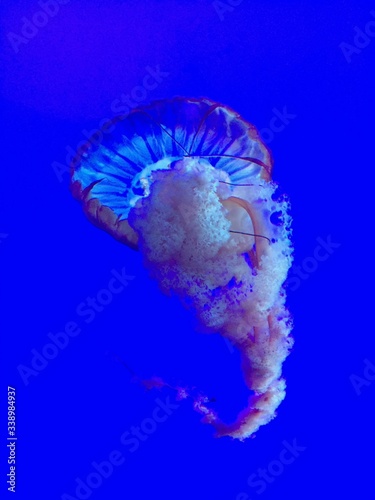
(188, 183)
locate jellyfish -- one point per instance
(187, 182)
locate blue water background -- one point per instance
(261, 58)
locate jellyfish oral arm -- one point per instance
(184, 228)
(262, 357)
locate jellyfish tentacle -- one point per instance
(237, 184)
(251, 234)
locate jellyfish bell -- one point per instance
(188, 183)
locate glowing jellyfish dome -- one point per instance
(188, 183)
